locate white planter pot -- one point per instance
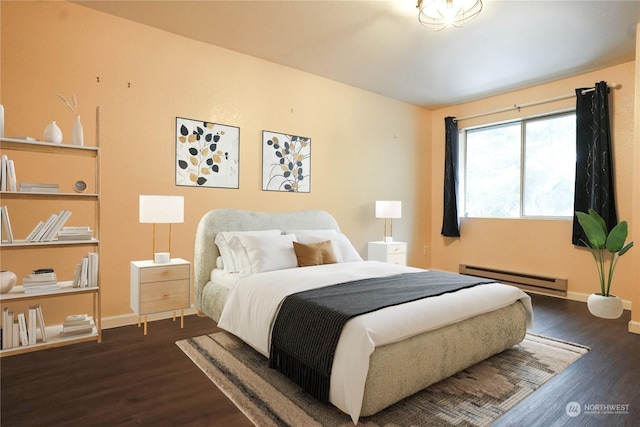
(606, 307)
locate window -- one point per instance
(519, 169)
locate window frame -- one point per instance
(462, 164)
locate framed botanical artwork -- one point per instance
(286, 162)
(207, 154)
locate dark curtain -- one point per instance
(594, 170)
(450, 224)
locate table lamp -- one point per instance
(158, 209)
(388, 209)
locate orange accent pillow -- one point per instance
(314, 253)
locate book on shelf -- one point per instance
(22, 330)
(35, 231)
(6, 224)
(39, 187)
(4, 159)
(7, 328)
(78, 320)
(40, 281)
(22, 323)
(43, 230)
(31, 325)
(8, 180)
(62, 218)
(43, 328)
(77, 324)
(75, 233)
(86, 272)
(11, 176)
(46, 231)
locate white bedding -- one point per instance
(264, 292)
(227, 280)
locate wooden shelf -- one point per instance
(17, 293)
(47, 147)
(41, 195)
(23, 243)
(44, 156)
(54, 339)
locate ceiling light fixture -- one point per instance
(441, 14)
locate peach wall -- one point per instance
(364, 147)
(543, 246)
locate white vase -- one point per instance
(606, 307)
(7, 281)
(78, 132)
(52, 133)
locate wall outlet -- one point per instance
(425, 249)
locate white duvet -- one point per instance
(255, 300)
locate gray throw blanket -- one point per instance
(307, 328)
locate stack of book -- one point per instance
(75, 233)
(35, 187)
(43, 280)
(77, 324)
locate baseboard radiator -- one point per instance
(527, 282)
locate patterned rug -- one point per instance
(476, 396)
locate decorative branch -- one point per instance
(75, 102)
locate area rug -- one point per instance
(476, 396)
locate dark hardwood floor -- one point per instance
(129, 379)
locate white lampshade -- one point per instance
(388, 209)
(161, 209)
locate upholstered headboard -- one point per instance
(218, 220)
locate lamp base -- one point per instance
(161, 257)
(388, 239)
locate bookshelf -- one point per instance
(20, 252)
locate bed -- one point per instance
(381, 357)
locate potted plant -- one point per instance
(606, 248)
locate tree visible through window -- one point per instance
(518, 169)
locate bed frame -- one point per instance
(396, 370)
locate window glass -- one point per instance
(550, 166)
(493, 172)
(523, 168)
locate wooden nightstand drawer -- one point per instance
(164, 272)
(156, 297)
(396, 248)
(400, 259)
(392, 252)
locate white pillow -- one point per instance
(342, 247)
(345, 250)
(312, 236)
(267, 253)
(222, 241)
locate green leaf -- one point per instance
(592, 228)
(625, 248)
(595, 215)
(615, 240)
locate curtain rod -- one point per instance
(531, 104)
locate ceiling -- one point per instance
(380, 46)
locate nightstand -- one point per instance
(156, 288)
(392, 252)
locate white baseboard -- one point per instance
(132, 319)
(634, 327)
